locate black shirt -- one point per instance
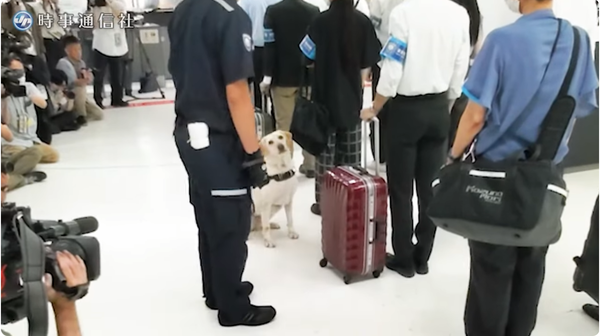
(339, 90)
(211, 47)
(286, 23)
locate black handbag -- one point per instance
(310, 126)
(513, 202)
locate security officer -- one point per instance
(425, 61)
(211, 61)
(519, 70)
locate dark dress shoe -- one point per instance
(315, 209)
(247, 289)
(309, 173)
(257, 316)
(120, 104)
(591, 310)
(407, 271)
(421, 268)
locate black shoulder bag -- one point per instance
(513, 202)
(310, 126)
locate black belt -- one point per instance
(429, 96)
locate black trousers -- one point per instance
(415, 155)
(382, 119)
(115, 68)
(257, 58)
(55, 50)
(504, 289)
(223, 219)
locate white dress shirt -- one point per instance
(109, 41)
(380, 15)
(436, 34)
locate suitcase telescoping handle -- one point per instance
(265, 98)
(365, 141)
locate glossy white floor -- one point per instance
(125, 171)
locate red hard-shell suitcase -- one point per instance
(354, 218)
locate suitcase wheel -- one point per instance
(376, 274)
(347, 279)
(323, 262)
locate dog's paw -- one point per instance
(275, 226)
(293, 235)
(269, 244)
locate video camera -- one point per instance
(29, 251)
(13, 45)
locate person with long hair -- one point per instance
(425, 61)
(475, 24)
(343, 46)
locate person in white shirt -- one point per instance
(425, 61)
(110, 47)
(380, 16)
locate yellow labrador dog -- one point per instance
(277, 149)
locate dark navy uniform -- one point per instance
(211, 47)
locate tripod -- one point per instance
(148, 80)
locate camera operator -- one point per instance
(65, 312)
(110, 47)
(9, 9)
(65, 118)
(22, 120)
(78, 77)
(22, 163)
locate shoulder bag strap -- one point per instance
(529, 109)
(559, 117)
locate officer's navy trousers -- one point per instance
(223, 216)
(416, 151)
(504, 289)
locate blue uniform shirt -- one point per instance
(256, 10)
(506, 79)
(211, 47)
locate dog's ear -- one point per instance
(264, 149)
(289, 142)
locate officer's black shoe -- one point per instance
(422, 268)
(257, 316)
(591, 310)
(247, 289)
(407, 271)
(315, 209)
(81, 120)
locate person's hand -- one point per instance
(254, 166)
(367, 114)
(73, 268)
(265, 87)
(3, 91)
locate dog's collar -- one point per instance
(283, 176)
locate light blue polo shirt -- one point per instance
(506, 79)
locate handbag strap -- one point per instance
(529, 109)
(559, 117)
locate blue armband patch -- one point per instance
(308, 47)
(394, 49)
(269, 35)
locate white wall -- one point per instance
(579, 12)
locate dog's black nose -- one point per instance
(281, 148)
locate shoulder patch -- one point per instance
(224, 5)
(247, 42)
(394, 49)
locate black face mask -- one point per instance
(18, 73)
